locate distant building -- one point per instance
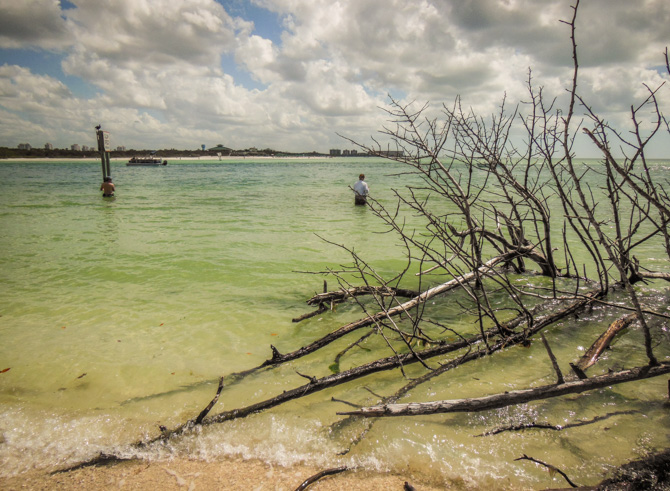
(48, 146)
(25, 146)
(75, 147)
(120, 149)
(335, 152)
(391, 153)
(86, 148)
(220, 148)
(344, 153)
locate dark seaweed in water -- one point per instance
(652, 472)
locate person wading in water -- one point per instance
(107, 188)
(361, 191)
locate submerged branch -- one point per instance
(602, 343)
(549, 426)
(342, 295)
(551, 469)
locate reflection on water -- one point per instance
(117, 316)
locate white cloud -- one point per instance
(32, 23)
(259, 56)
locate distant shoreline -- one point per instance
(173, 159)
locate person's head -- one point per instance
(361, 177)
(108, 179)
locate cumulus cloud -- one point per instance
(33, 23)
(162, 76)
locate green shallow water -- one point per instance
(117, 315)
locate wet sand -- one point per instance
(184, 474)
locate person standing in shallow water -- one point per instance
(361, 191)
(107, 188)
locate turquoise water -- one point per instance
(117, 315)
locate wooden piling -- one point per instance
(104, 148)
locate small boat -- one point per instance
(146, 161)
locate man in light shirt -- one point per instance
(361, 191)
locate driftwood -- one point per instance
(316, 385)
(655, 275)
(341, 295)
(328, 472)
(404, 390)
(322, 308)
(550, 467)
(554, 362)
(513, 397)
(603, 342)
(549, 426)
(209, 407)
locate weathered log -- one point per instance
(593, 353)
(512, 397)
(655, 275)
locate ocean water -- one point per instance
(119, 315)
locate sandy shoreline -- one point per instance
(229, 474)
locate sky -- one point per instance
(294, 75)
